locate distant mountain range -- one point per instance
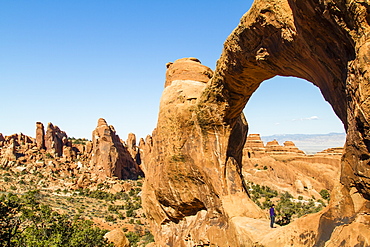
(310, 143)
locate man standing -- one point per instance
(272, 216)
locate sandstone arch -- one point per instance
(194, 185)
(326, 44)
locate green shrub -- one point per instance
(325, 194)
(26, 222)
(121, 216)
(109, 218)
(133, 238)
(130, 213)
(148, 237)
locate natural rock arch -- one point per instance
(194, 192)
(326, 44)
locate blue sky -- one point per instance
(72, 62)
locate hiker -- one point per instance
(272, 216)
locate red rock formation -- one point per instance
(325, 42)
(331, 151)
(109, 157)
(9, 155)
(145, 150)
(132, 148)
(2, 139)
(193, 177)
(286, 38)
(55, 139)
(187, 69)
(254, 148)
(40, 135)
(19, 139)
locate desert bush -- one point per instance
(325, 194)
(98, 194)
(121, 216)
(148, 237)
(133, 238)
(110, 218)
(130, 213)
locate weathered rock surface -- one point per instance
(300, 176)
(187, 69)
(198, 144)
(145, 150)
(9, 154)
(286, 168)
(55, 139)
(40, 135)
(118, 238)
(133, 149)
(254, 147)
(191, 193)
(84, 160)
(109, 157)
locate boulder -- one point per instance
(118, 238)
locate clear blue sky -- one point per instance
(72, 62)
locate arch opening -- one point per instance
(288, 115)
(288, 106)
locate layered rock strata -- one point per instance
(255, 148)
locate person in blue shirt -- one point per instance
(272, 216)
